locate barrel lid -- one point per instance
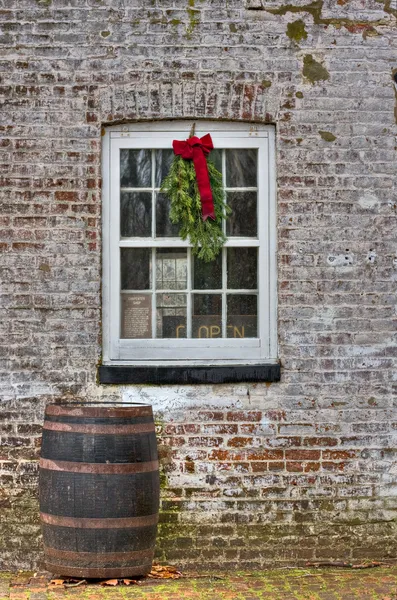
(100, 409)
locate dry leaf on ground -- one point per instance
(164, 572)
(110, 582)
(130, 582)
(56, 582)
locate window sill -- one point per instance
(169, 375)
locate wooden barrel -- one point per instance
(99, 489)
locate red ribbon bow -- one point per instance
(197, 149)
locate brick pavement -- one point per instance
(291, 584)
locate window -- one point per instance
(161, 305)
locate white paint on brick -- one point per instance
(368, 201)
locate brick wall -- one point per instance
(254, 474)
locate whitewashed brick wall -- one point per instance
(252, 474)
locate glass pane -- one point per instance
(243, 220)
(136, 214)
(215, 157)
(135, 168)
(163, 163)
(207, 276)
(164, 227)
(242, 316)
(242, 268)
(171, 269)
(135, 268)
(171, 315)
(136, 316)
(241, 167)
(207, 316)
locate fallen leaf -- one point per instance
(164, 572)
(130, 581)
(57, 581)
(110, 582)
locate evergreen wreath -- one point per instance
(180, 186)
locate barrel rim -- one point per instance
(100, 409)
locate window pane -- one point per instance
(163, 159)
(164, 227)
(241, 168)
(171, 269)
(242, 268)
(136, 316)
(171, 315)
(242, 316)
(207, 316)
(135, 268)
(243, 220)
(135, 168)
(215, 156)
(136, 214)
(207, 276)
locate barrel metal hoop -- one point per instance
(98, 557)
(100, 429)
(96, 411)
(100, 468)
(92, 523)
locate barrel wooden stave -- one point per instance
(106, 541)
(98, 496)
(99, 448)
(100, 523)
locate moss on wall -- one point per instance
(296, 30)
(313, 70)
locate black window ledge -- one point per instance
(111, 374)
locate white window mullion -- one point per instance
(153, 197)
(224, 185)
(154, 295)
(114, 263)
(224, 297)
(189, 299)
(178, 243)
(263, 253)
(224, 254)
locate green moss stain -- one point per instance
(388, 8)
(105, 34)
(194, 20)
(313, 70)
(315, 10)
(45, 3)
(232, 27)
(327, 136)
(296, 31)
(299, 95)
(266, 83)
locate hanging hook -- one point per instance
(193, 130)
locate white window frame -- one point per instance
(192, 352)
